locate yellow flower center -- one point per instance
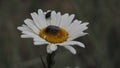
(54, 34)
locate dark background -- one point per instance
(102, 43)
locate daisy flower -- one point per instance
(53, 29)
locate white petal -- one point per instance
(66, 20)
(69, 21)
(24, 28)
(42, 19)
(36, 37)
(31, 25)
(21, 28)
(25, 36)
(74, 26)
(72, 43)
(36, 19)
(71, 17)
(27, 28)
(37, 40)
(71, 49)
(53, 18)
(40, 43)
(51, 48)
(77, 30)
(63, 20)
(58, 17)
(72, 37)
(48, 21)
(83, 26)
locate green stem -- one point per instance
(43, 62)
(50, 59)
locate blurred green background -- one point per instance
(102, 44)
